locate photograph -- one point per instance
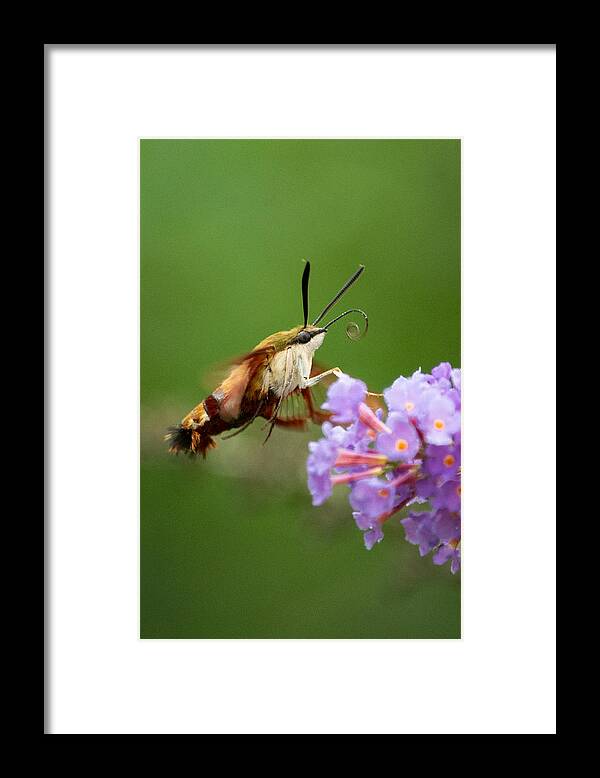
(300, 381)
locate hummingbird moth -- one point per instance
(278, 368)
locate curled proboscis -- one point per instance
(353, 331)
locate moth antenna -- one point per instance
(305, 277)
(342, 291)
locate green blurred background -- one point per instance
(231, 547)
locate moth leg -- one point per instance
(308, 382)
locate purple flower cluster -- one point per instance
(413, 457)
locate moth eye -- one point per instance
(303, 337)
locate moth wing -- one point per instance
(238, 374)
(215, 374)
(293, 411)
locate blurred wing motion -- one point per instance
(245, 365)
(295, 410)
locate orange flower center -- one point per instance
(409, 406)
(401, 444)
(449, 460)
(439, 424)
(384, 492)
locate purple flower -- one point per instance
(371, 528)
(443, 370)
(355, 437)
(363, 522)
(446, 552)
(455, 377)
(372, 497)
(425, 487)
(441, 421)
(446, 526)
(321, 459)
(403, 442)
(408, 395)
(372, 536)
(442, 462)
(320, 487)
(323, 454)
(438, 530)
(404, 493)
(419, 531)
(390, 463)
(344, 398)
(454, 395)
(447, 496)
(336, 434)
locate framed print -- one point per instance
(348, 250)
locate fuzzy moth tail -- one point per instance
(192, 439)
(192, 436)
